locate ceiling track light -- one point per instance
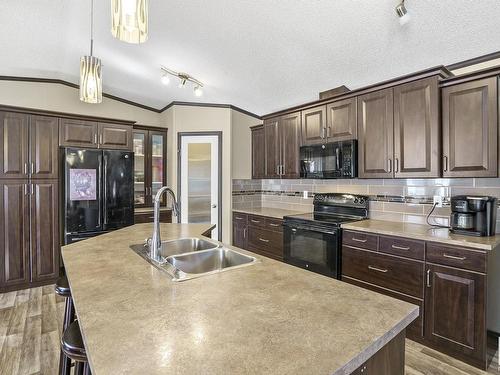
(184, 78)
(402, 13)
(90, 70)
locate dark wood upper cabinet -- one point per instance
(272, 148)
(290, 145)
(470, 129)
(417, 129)
(44, 147)
(14, 233)
(14, 133)
(78, 133)
(341, 120)
(115, 136)
(455, 314)
(44, 230)
(375, 134)
(314, 125)
(258, 153)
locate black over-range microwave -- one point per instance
(330, 160)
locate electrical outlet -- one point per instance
(438, 200)
(306, 194)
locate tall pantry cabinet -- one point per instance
(29, 200)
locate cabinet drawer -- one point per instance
(269, 241)
(240, 218)
(456, 257)
(415, 330)
(360, 239)
(148, 217)
(257, 221)
(401, 275)
(274, 224)
(402, 246)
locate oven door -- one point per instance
(313, 248)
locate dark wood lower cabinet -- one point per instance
(144, 216)
(14, 234)
(455, 314)
(259, 234)
(448, 283)
(44, 231)
(29, 233)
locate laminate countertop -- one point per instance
(423, 232)
(267, 318)
(277, 213)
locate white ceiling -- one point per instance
(260, 55)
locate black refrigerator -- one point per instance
(98, 192)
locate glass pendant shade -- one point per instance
(129, 20)
(90, 79)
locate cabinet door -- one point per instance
(158, 163)
(14, 234)
(44, 147)
(239, 235)
(115, 136)
(14, 142)
(77, 133)
(44, 231)
(290, 145)
(416, 129)
(314, 125)
(258, 156)
(341, 120)
(375, 134)
(142, 179)
(272, 148)
(470, 122)
(455, 311)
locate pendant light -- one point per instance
(90, 70)
(129, 20)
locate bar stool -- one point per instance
(73, 348)
(62, 289)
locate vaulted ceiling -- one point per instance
(260, 55)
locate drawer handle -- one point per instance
(263, 240)
(255, 221)
(377, 269)
(274, 225)
(454, 257)
(359, 239)
(400, 247)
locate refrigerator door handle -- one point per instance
(105, 189)
(99, 219)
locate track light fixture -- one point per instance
(184, 78)
(402, 13)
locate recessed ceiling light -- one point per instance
(129, 20)
(402, 13)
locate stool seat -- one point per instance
(62, 287)
(72, 343)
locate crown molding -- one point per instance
(126, 101)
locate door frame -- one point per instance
(218, 134)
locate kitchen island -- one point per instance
(267, 318)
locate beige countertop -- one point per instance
(277, 213)
(423, 232)
(267, 318)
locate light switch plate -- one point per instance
(306, 194)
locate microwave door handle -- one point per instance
(337, 158)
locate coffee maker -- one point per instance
(473, 215)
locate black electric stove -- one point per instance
(313, 240)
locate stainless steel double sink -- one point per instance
(189, 258)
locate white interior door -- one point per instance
(199, 176)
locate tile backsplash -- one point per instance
(408, 200)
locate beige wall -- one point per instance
(242, 144)
(61, 98)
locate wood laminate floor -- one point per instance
(30, 328)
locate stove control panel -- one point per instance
(340, 199)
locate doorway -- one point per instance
(200, 179)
